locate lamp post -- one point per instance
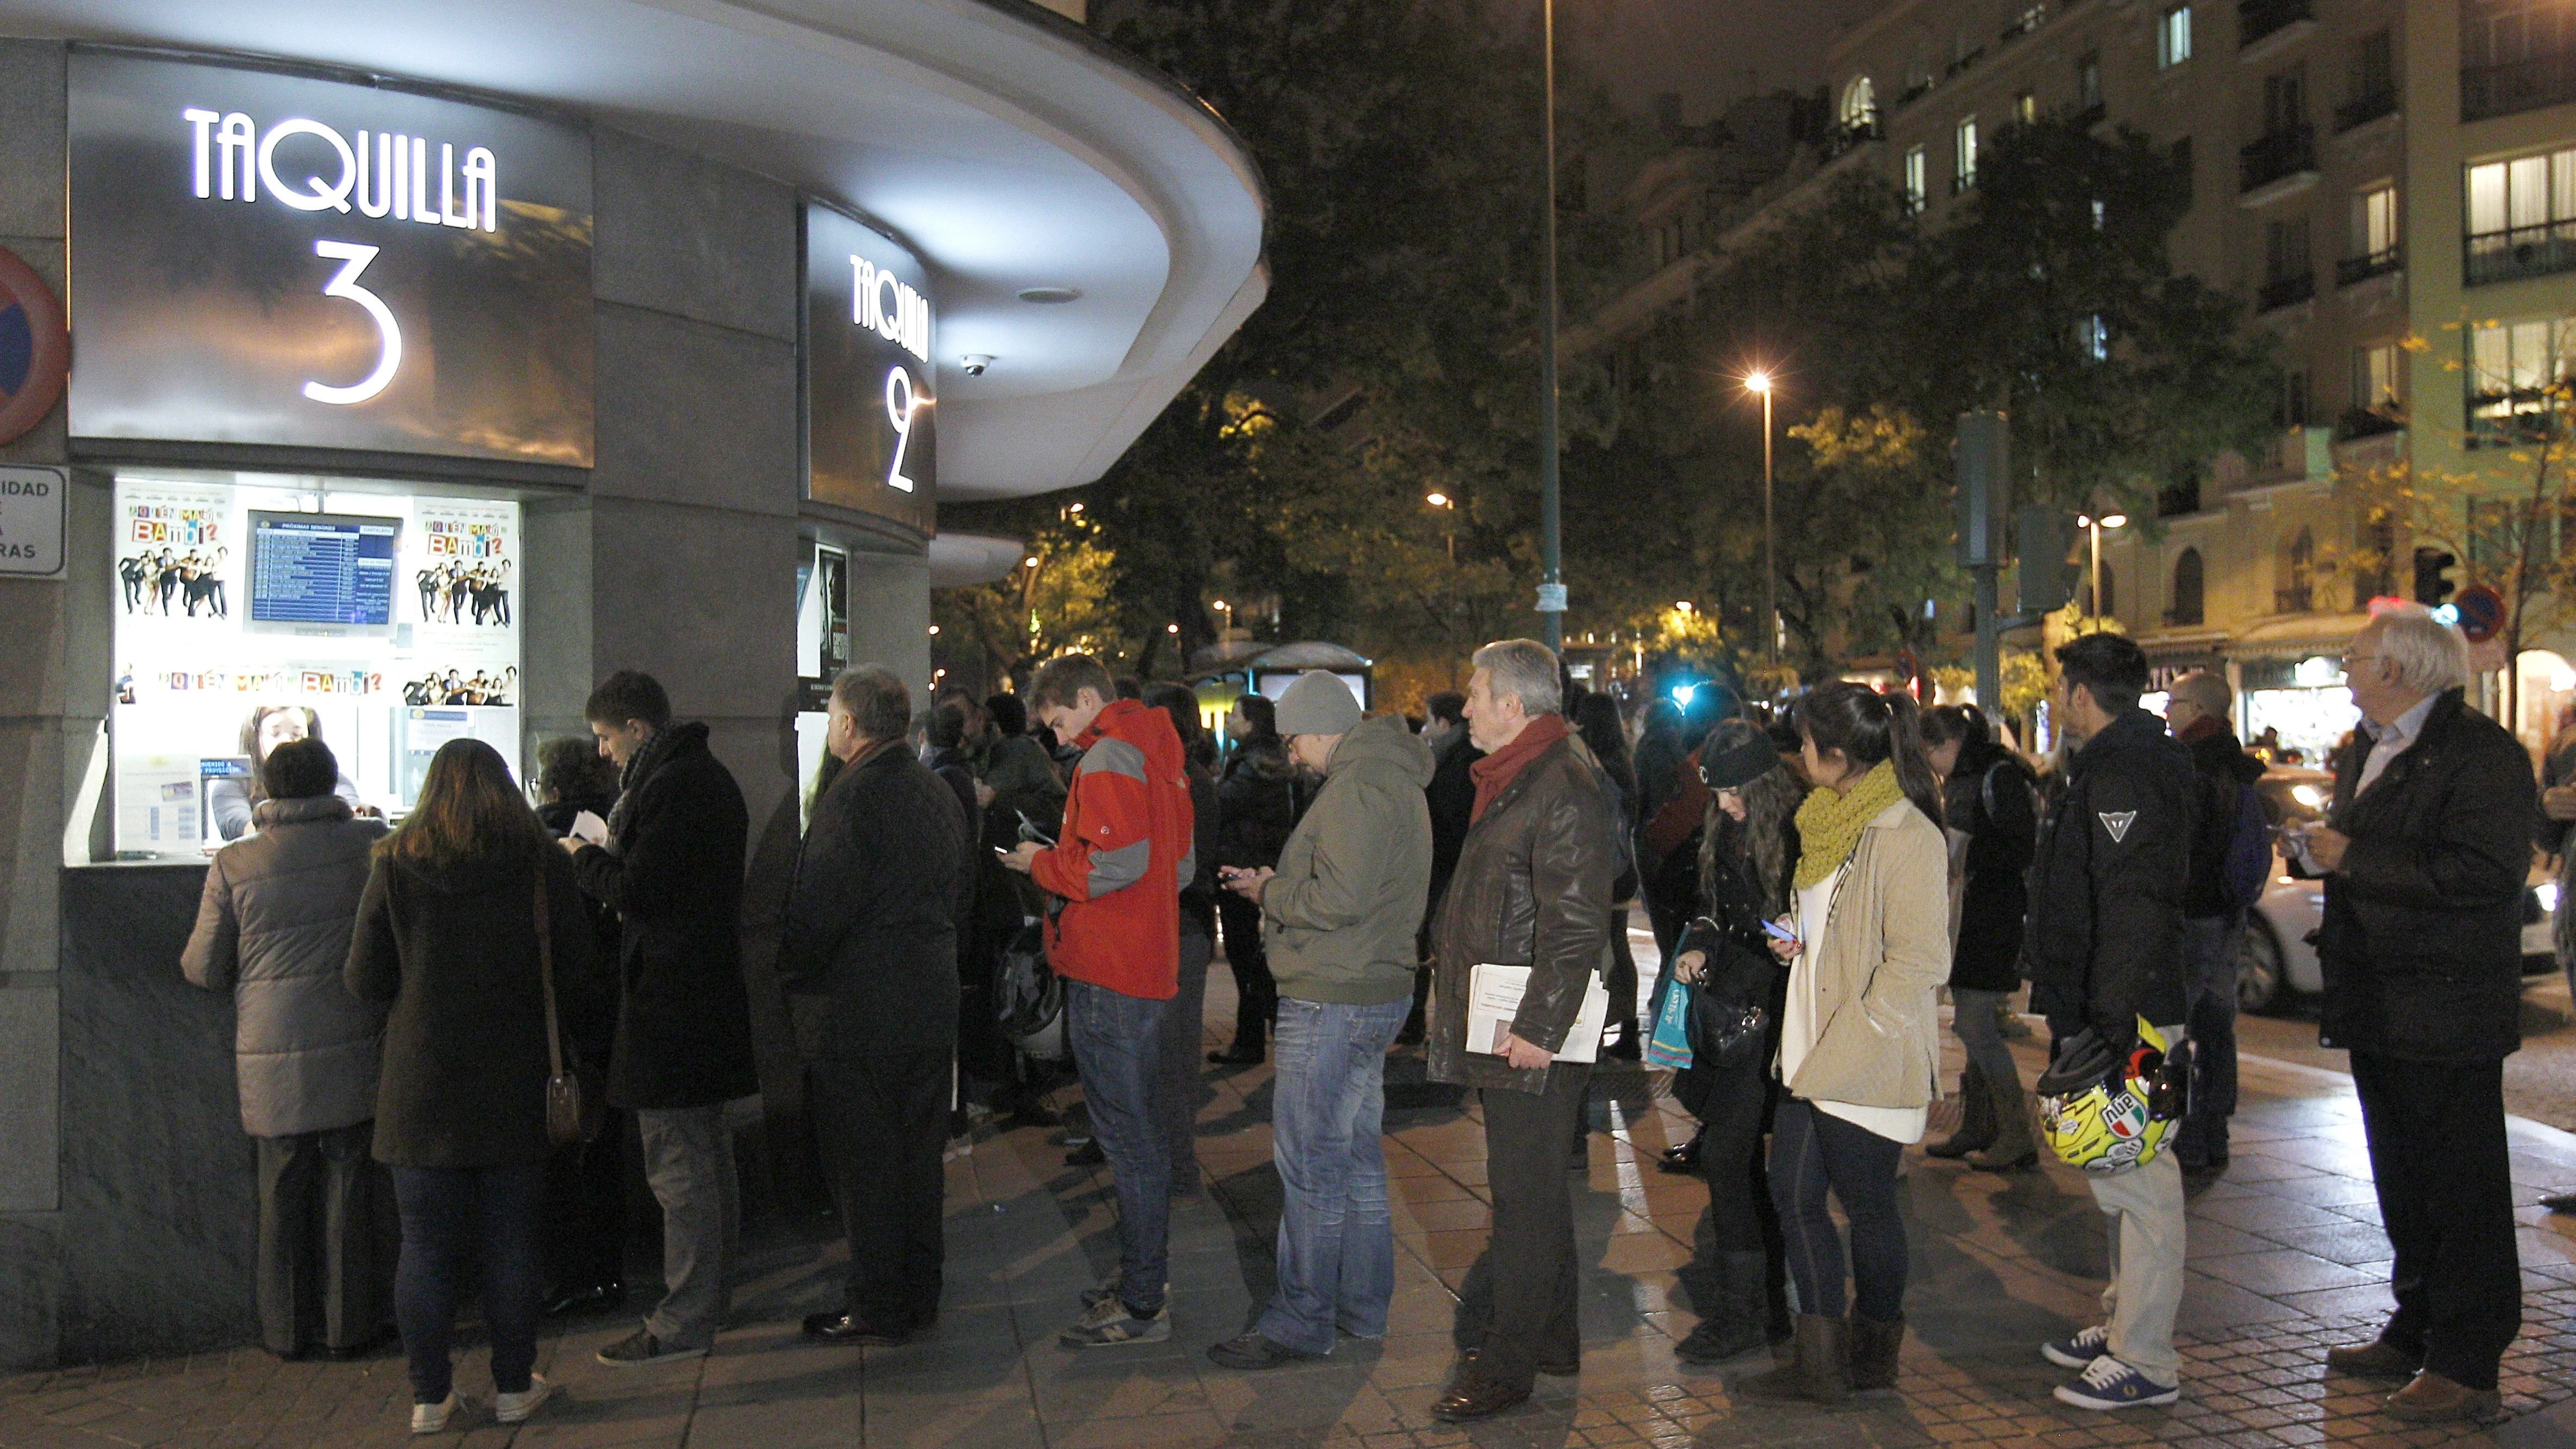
(1759, 381)
(1551, 586)
(1448, 505)
(2093, 527)
(1229, 617)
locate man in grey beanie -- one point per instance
(1338, 916)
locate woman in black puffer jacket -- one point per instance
(1989, 797)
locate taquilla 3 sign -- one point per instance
(274, 259)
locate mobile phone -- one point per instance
(1778, 932)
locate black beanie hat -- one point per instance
(1735, 754)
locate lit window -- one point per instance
(1917, 178)
(2173, 36)
(2093, 339)
(2376, 379)
(2026, 107)
(2511, 364)
(1860, 104)
(1963, 157)
(2374, 221)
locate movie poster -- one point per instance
(176, 551)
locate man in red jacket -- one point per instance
(1114, 935)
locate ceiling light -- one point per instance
(1050, 296)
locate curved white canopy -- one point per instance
(1009, 148)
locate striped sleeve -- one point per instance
(1107, 843)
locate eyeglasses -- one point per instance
(2350, 660)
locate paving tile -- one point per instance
(2285, 1271)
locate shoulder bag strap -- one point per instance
(546, 973)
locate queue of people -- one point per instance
(436, 998)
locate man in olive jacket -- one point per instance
(1338, 917)
(672, 868)
(870, 961)
(2424, 857)
(1532, 888)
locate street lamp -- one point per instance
(2093, 527)
(1551, 579)
(1443, 501)
(1229, 615)
(1759, 381)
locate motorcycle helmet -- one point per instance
(2105, 1111)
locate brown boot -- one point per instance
(2014, 1146)
(1976, 1121)
(2377, 1359)
(1874, 1347)
(1818, 1370)
(2433, 1399)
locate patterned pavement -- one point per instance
(2287, 1257)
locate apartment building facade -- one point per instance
(2390, 188)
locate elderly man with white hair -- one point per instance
(2424, 855)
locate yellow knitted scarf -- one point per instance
(1829, 825)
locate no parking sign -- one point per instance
(2481, 613)
(35, 351)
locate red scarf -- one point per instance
(1495, 772)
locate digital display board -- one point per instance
(871, 387)
(268, 259)
(322, 569)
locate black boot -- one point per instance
(1739, 1321)
(1976, 1121)
(1874, 1349)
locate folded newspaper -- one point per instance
(1494, 999)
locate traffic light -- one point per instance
(2045, 535)
(2432, 576)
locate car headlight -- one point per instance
(2548, 893)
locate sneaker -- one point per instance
(432, 1418)
(639, 1348)
(515, 1408)
(2110, 1384)
(1108, 1293)
(1108, 1324)
(2078, 1349)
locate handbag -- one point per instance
(574, 1109)
(1028, 998)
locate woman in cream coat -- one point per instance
(1859, 1034)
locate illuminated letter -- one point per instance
(388, 331)
(398, 177)
(863, 286)
(332, 196)
(448, 215)
(482, 179)
(420, 211)
(203, 122)
(887, 317)
(376, 195)
(239, 135)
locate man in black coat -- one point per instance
(2213, 924)
(1452, 798)
(1257, 806)
(2104, 950)
(2424, 857)
(870, 962)
(671, 865)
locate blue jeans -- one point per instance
(452, 1216)
(1327, 1131)
(1813, 1152)
(1117, 1046)
(2209, 945)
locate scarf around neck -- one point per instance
(1495, 772)
(1829, 825)
(639, 768)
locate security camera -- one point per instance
(976, 362)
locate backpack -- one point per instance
(1622, 832)
(2247, 866)
(1028, 999)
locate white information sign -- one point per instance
(32, 504)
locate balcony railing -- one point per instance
(1851, 135)
(2283, 153)
(2540, 250)
(2362, 110)
(2298, 599)
(2363, 268)
(2258, 18)
(2285, 291)
(1962, 185)
(2521, 85)
(2359, 423)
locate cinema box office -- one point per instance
(398, 412)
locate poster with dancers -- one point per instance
(174, 552)
(462, 558)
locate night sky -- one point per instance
(1645, 47)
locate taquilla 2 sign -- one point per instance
(272, 259)
(871, 389)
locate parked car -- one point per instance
(2278, 963)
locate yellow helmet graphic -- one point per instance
(2106, 1112)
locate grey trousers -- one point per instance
(2145, 1206)
(688, 1159)
(317, 1248)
